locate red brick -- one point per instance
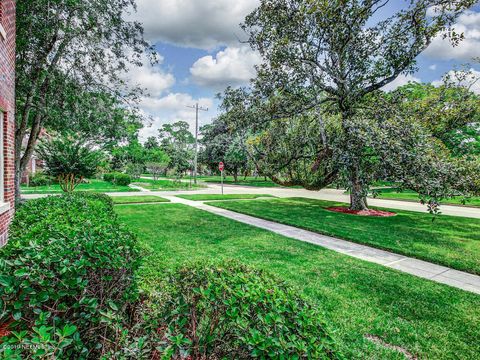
(7, 104)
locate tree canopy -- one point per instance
(323, 63)
(70, 59)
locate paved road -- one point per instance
(326, 194)
(423, 269)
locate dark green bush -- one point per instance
(66, 278)
(40, 179)
(110, 177)
(118, 178)
(216, 311)
(123, 179)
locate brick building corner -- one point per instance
(7, 108)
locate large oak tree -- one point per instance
(330, 56)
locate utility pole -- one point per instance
(197, 109)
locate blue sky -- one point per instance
(201, 53)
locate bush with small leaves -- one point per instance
(40, 179)
(123, 179)
(110, 177)
(66, 279)
(231, 311)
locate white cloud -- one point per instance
(233, 66)
(172, 108)
(204, 24)
(469, 24)
(400, 81)
(151, 78)
(433, 67)
(471, 80)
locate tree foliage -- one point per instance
(177, 142)
(70, 59)
(322, 60)
(222, 144)
(69, 159)
(450, 112)
(156, 162)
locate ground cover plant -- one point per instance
(91, 185)
(448, 240)
(211, 197)
(138, 199)
(67, 279)
(374, 312)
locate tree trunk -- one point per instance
(18, 180)
(235, 175)
(358, 199)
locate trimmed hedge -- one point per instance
(231, 311)
(66, 278)
(118, 178)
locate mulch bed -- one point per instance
(369, 212)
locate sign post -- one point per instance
(221, 167)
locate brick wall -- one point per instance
(7, 104)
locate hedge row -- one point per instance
(66, 278)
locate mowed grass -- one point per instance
(409, 195)
(138, 199)
(358, 298)
(166, 185)
(98, 186)
(248, 181)
(211, 197)
(448, 240)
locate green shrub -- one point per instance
(40, 179)
(216, 311)
(118, 178)
(123, 179)
(66, 278)
(69, 159)
(110, 177)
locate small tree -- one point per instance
(178, 143)
(157, 162)
(69, 160)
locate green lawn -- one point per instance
(409, 195)
(248, 181)
(450, 241)
(358, 298)
(167, 185)
(138, 199)
(95, 185)
(206, 197)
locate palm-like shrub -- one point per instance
(68, 159)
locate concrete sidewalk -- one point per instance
(423, 269)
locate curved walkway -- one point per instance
(423, 269)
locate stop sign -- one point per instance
(221, 166)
